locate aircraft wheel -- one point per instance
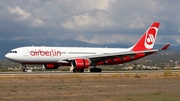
(95, 70)
(24, 70)
(99, 70)
(78, 70)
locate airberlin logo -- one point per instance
(150, 37)
(40, 52)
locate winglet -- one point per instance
(165, 47)
(146, 42)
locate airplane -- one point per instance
(80, 58)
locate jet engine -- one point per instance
(50, 66)
(80, 63)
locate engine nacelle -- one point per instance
(50, 66)
(80, 63)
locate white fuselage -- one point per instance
(42, 54)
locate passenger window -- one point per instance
(13, 52)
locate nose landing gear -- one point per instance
(24, 68)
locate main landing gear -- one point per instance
(78, 70)
(92, 70)
(95, 69)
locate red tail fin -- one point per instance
(146, 42)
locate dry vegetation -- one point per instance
(87, 87)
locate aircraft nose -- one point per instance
(7, 56)
(10, 57)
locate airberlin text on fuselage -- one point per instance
(40, 52)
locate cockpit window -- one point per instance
(13, 52)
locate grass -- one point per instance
(99, 87)
(167, 73)
(159, 96)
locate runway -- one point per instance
(86, 72)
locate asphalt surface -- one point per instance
(86, 72)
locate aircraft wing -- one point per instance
(103, 57)
(111, 56)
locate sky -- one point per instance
(92, 21)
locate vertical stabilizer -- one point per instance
(146, 42)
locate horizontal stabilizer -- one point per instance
(165, 47)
